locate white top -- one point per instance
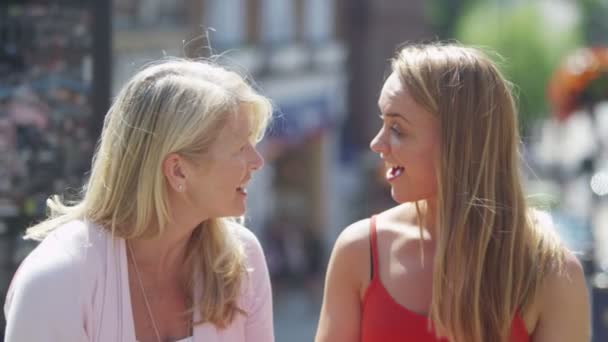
(74, 287)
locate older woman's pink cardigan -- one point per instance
(74, 287)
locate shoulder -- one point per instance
(255, 261)
(256, 289)
(564, 273)
(350, 257)
(565, 280)
(354, 240)
(64, 258)
(564, 304)
(245, 237)
(563, 300)
(53, 274)
(64, 249)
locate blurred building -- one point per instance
(374, 30)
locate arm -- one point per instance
(565, 308)
(341, 310)
(259, 325)
(42, 303)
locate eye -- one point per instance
(395, 129)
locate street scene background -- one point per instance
(322, 62)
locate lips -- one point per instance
(242, 188)
(394, 172)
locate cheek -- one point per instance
(420, 161)
(239, 164)
(234, 168)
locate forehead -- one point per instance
(396, 100)
(392, 86)
(393, 93)
(238, 124)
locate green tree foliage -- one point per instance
(444, 15)
(530, 50)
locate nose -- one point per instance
(257, 161)
(379, 143)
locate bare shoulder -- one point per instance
(564, 277)
(351, 253)
(349, 263)
(354, 237)
(566, 280)
(570, 269)
(564, 304)
(353, 244)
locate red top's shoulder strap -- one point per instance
(374, 246)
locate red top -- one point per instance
(383, 319)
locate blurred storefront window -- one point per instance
(278, 21)
(129, 14)
(318, 22)
(226, 33)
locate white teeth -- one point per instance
(241, 190)
(394, 172)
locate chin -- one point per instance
(228, 212)
(235, 212)
(405, 197)
(397, 197)
(401, 197)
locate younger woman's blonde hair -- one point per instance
(173, 106)
(492, 254)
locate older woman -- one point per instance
(149, 254)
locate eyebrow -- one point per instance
(395, 116)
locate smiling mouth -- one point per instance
(394, 172)
(241, 190)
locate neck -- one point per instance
(429, 214)
(161, 257)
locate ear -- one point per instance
(174, 171)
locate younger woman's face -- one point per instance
(408, 143)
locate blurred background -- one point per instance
(322, 62)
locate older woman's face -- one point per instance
(407, 143)
(219, 189)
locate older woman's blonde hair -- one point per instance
(173, 106)
(492, 255)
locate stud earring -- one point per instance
(180, 187)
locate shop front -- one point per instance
(290, 207)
